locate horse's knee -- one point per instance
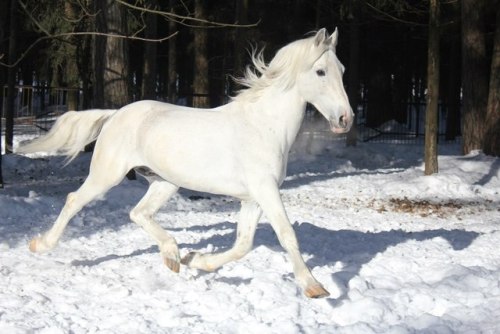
(70, 199)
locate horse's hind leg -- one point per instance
(249, 217)
(96, 184)
(142, 214)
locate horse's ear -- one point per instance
(334, 37)
(320, 37)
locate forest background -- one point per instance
(112, 52)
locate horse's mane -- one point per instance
(281, 71)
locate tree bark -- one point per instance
(240, 38)
(150, 65)
(492, 135)
(353, 69)
(172, 59)
(11, 80)
(200, 80)
(431, 115)
(70, 77)
(453, 88)
(474, 74)
(111, 57)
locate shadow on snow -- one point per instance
(326, 247)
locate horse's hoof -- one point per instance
(172, 264)
(186, 260)
(39, 245)
(316, 291)
(33, 244)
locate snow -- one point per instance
(400, 252)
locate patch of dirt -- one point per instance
(425, 208)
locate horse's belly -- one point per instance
(197, 164)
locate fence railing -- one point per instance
(32, 103)
(40, 106)
(410, 130)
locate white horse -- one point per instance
(238, 149)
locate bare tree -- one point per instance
(431, 115)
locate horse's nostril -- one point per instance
(342, 122)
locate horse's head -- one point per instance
(321, 84)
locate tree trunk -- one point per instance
(431, 115)
(491, 144)
(111, 57)
(380, 106)
(150, 65)
(200, 80)
(453, 89)
(11, 80)
(453, 98)
(353, 69)
(70, 77)
(240, 38)
(474, 74)
(84, 49)
(172, 59)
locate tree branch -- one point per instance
(181, 18)
(83, 33)
(32, 18)
(393, 18)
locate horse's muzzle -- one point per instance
(342, 125)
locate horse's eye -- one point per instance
(320, 73)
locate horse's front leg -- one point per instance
(249, 217)
(268, 196)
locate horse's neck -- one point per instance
(280, 112)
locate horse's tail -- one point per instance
(71, 132)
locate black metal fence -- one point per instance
(40, 106)
(411, 130)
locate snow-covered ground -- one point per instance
(399, 252)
